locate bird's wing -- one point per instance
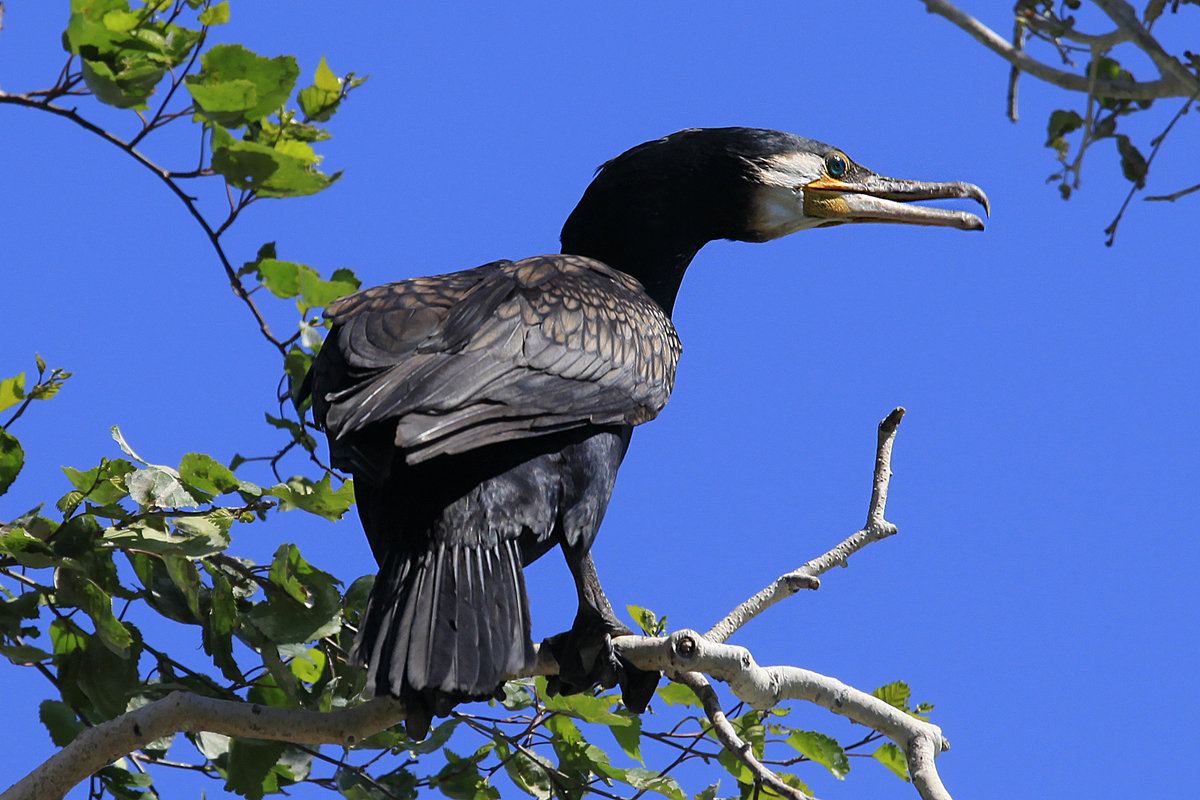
(507, 350)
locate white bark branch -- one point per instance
(806, 576)
(764, 687)
(183, 712)
(1174, 81)
(729, 739)
(1127, 20)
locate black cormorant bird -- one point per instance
(484, 413)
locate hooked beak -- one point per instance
(874, 198)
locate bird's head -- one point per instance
(650, 209)
(799, 183)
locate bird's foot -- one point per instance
(586, 657)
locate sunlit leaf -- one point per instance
(12, 390)
(891, 757)
(650, 781)
(12, 458)
(158, 486)
(207, 474)
(822, 749)
(315, 497)
(320, 101)
(269, 171)
(215, 15)
(894, 694)
(677, 694)
(235, 86)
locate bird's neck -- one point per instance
(657, 263)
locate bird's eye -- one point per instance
(836, 165)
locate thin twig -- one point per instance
(164, 175)
(1111, 230)
(1173, 196)
(806, 576)
(728, 737)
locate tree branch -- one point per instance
(729, 738)
(806, 576)
(1168, 66)
(764, 687)
(1175, 81)
(96, 747)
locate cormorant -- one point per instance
(484, 413)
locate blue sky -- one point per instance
(1041, 590)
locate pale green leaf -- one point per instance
(12, 390)
(891, 757)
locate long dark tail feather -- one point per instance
(444, 626)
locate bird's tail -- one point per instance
(444, 626)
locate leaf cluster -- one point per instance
(1070, 132)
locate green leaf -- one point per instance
(215, 15)
(250, 771)
(195, 537)
(287, 279)
(629, 737)
(1133, 163)
(528, 770)
(648, 780)
(161, 591)
(158, 486)
(207, 474)
(296, 365)
(90, 673)
(22, 654)
(676, 694)
(119, 438)
(308, 607)
(12, 391)
(103, 484)
(281, 277)
(596, 710)
(76, 538)
(60, 720)
(280, 171)
(124, 81)
(12, 459)
(235, 86)
(316, 498)
(516, 695)
(222, 619)
(894, 694)
(734, 766)
(460, 778)
(822, 749)
(186, 577)
(647, 620)
(890, 756)
(76, 590)
(27, 550)
(320, 101)
(309, 666)
(319, 293)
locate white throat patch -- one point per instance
(778, 205)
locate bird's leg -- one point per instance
(585, 654)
